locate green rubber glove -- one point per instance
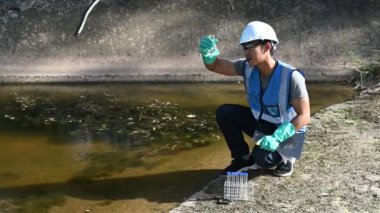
(208, 49)
(282, 133)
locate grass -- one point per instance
(369, 71)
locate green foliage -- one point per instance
(367, 70)
(371, 69)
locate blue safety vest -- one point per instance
(273, 103)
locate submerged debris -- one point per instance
(163, 125)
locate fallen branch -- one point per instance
(85, 17)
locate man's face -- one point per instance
(254, 52)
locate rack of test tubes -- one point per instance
(236, 186)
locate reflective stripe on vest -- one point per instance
(275, 99)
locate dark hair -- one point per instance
(272, 46)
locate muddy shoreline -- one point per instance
(162, 70)
(339, 171)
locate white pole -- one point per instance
(85, 17)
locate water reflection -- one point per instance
(120, 188)
(115, 142)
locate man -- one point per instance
(278, 102)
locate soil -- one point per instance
(138, 40)
(339, 170)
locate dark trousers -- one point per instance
(233, 121)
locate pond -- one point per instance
(116, 147)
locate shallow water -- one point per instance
(117, 148)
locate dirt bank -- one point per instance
(141, 40)
(339, 172)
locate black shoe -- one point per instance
(238, 165)
(283, 169)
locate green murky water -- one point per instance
(115, 147)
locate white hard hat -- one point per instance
(257, 30)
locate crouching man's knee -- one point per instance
(266, 159)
